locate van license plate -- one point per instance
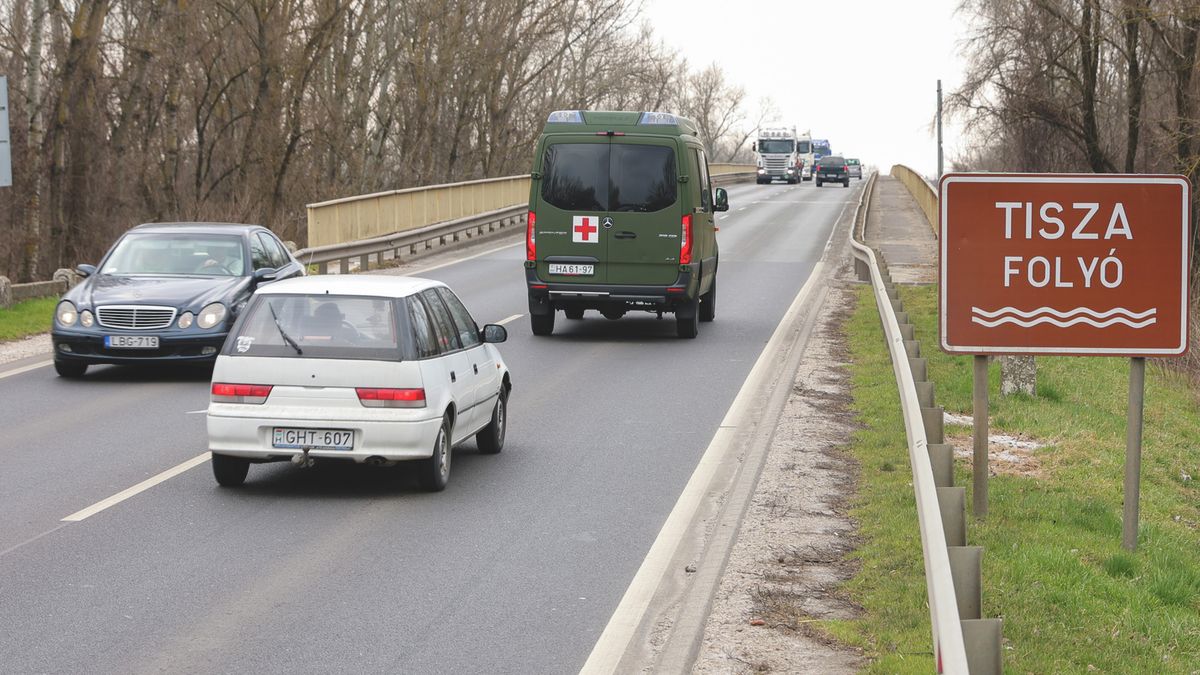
(313, 439)
(131, 341)
(572, 270)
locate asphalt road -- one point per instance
(515, 568)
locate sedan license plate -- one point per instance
(131, 341)
(572, 270)
(313, 439)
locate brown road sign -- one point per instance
(1064, 264)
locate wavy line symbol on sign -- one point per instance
(1064, 319)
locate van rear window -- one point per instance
(604, 177)
(321, 326)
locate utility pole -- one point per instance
(939, 128)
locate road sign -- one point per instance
(1064, 264)
(5, 145)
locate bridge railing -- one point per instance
(922, 191)
(355, 230)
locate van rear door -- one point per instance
(644, 214)
(572, 203)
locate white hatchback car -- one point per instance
(373, 369)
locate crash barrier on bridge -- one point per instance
(922, 191)
(11, 294)
(963, 641)
(388, 226)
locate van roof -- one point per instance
(629, 122)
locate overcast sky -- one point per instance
(872, 91)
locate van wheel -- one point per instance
(818, 183)
(230, 471)
(574, 313)
(687, 320)
(708, 303)
(435, 471)
(491, 439)
(542, 324)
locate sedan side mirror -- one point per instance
(494, 333)
(265, 274)
(722, 200)
(85, 270)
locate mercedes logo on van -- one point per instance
(607, 222)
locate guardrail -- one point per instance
(922, 191)
(952, 579)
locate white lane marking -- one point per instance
(422, 270)
(614, 641)
(514, 317)
(136, 489)
(25, 369)
(196, 412)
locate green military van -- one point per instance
(621, 218)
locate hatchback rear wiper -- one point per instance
(282, 333)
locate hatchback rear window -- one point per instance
(832, 160)
(318, 326)
(604, 177)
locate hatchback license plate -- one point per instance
(313, 439)
(572, 270)
(131, 341)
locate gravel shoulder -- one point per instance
(784, 572)
(34, 345)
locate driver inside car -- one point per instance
(221, 261)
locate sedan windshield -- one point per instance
(177, 254)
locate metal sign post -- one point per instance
(1133, 452)
(979, 466)
(1064, 264)
(5, 145)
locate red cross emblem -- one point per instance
(585, 230)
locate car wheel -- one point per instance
(491, 439)
(846, 183)
(708, 303)
(230, 471)
(542, 324)
(574, 313)
(687, 320)
(435, 471)
(818, 183)
(71, 369)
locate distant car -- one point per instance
(855, 167)
(363, 368)
(165, 292)
(833, 169)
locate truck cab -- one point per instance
(777, 155)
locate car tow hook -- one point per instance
(303, 460)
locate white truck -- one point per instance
(777, 152)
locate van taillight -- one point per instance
(685, 244)
(530, 239)
(223, 392)
(391, 398)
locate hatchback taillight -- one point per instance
(224, 392)
(846, 169)
(685, 244)
(391, 398)
(530, 239)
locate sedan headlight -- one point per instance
(185, 319)
(86, 319)
(66, 314)
(211, 315)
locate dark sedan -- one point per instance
(165, 292)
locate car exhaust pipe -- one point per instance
(376, 460)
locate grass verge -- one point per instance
(1071, 598)
(27, 318)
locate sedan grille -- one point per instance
(136, 317)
